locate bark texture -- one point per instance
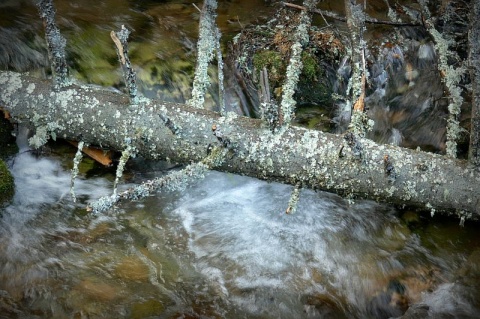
(298, 156)
(474, 59)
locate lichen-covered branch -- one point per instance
(221, 77)
(314, 159)
(126, 154)
(55, 43)
(207, 42)
(292, 203)
(176, 180)
(120, 39)
(269, 110)
(474, 62)
(451, 78)
(76, 161)
(368, 19)
(356, 88)
(295, 65)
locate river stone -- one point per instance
(97, 289)
(132, 268)
(146, 309)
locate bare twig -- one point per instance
(335, 16)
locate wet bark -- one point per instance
(176, 132)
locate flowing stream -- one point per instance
(224, 247)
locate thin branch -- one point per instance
(55, 42)
(292, 203)
(294, 67)
(335, 16)
(451, 79)
(356, 89)
(176, 180)
(221, 77)
(205, 47)
(121, 45)
(76, 161)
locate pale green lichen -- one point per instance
(30, 88)
(55, 42)
(294, 67)
(293, 202)
(430, 207)
(464, 215)
(205, 47)
(14, 83)
(74, 172)
(451, 79)
(126, 154)
(43, 133)
(174, 181)
(121, 45)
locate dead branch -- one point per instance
(297, 155)
(335, 16)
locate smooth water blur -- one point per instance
(162, 43)
(224, 248)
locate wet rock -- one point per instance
(322, 306)
(132, 268)
(146, 309)
(391, 303)
(411, 218)
(418, 311)
(471, 268)
(97, 289)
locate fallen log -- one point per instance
(349, 166)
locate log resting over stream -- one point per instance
(178, 133)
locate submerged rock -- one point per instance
(146, 309)
(132, 268)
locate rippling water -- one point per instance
(224, 248)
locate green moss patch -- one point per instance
(7, 185)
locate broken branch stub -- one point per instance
(120, 39)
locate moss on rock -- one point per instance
(7, 186)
